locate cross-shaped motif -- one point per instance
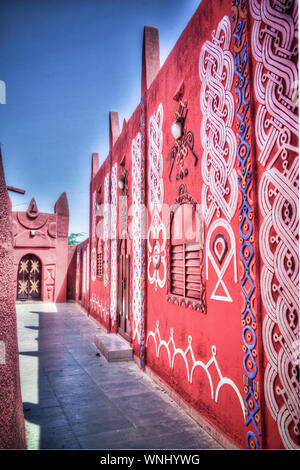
(24, 266)
(23, 287)
(34, 287)
(34, 266)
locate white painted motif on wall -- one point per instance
(221, 252)
(113, 231)
(173, 352)
(216, 70)
(274, 47)
(94, 217)
(136, 189)
(88, 267)
(157, 266)
(155, 170)
(99, 307)
(93, 251)
(93, 264)
(77, 271)
(157, 272)
(106, 230)
(84, 273)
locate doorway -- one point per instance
(124, 291)
(29, 280)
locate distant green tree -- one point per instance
(72, 238)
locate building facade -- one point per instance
(40, 242)
(193, 253)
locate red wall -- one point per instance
(230, 355)
(12, 427)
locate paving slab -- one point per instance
(113, 347)
(73, 397)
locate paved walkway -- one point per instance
(74, 399)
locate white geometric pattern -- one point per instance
(155, 171)
(113, 232)
(88, 267)
(94, 217)
(171, 346)
(136, 156)
(84, 273)
(157, 266)
(157, 269)
(99, 307)
(231, 254)
(106, 230)
(93, 264)
(216, 70)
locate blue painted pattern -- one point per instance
(246, 223)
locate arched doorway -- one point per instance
(29, 278)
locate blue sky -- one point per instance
(66, 64)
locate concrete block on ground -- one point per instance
(113, 347)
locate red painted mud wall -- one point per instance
(100, 244)
(12, 428)
(231, 351)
